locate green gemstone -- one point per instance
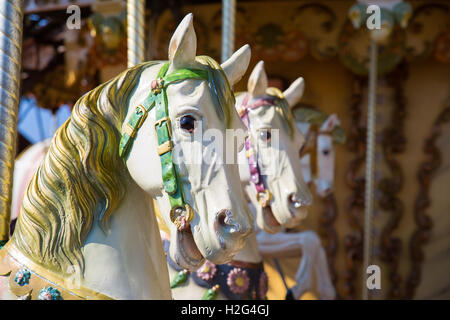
(179, 279)
(211, 294)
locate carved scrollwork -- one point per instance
(423, 221)
(422, 35)
(393, 143)
(328, 233)
(319, 24)
(353, 242)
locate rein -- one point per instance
(181, 213)
(263, 194)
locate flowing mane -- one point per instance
(82, 178)
(283, 109)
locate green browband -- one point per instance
(181, 213)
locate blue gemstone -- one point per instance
(22, 277)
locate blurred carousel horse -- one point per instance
(86, 229)
(317, 155)
(278, 198)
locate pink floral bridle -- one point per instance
(263, 194)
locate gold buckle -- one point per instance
(144, 115)
(176, 213)
(169, 125)
(265, 200)
(165, 147)
(129, 130)
(242, 111)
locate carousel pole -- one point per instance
(11, 28)
(228, 22)
(135, 32)
(370, 149)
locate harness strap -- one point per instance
(263, 194)
(181, 213)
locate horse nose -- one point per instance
(225, 224)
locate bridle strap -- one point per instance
(181, 213)
(255, 171)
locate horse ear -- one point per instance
(257, 82)
(294, 93)
(331, 123)
(183, 45)
(237, 64)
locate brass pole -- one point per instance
(11, 28)
(228, 26)
(370, 166)
(135, 32)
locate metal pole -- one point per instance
(370, 149)
(228, 23)
(11, 28)
(135, 32)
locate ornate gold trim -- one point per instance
(11, 260)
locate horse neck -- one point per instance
(128, 262)
(250, 252)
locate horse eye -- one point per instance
(265, 135)
(187, 123)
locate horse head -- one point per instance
(199, 196)
(317, 156)
(277, 188)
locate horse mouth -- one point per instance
(269, 217)
(188, 249)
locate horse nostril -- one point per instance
(296, 201)
(226, 223)
(221, 216)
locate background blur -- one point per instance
(316, 40)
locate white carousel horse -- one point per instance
(86, 229)
(266, 113)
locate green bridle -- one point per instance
(181, 212)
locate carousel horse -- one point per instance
(86, 228)
(317, 155)
(265, 112)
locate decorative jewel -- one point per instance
(22, 277)
(207, 271)
(211, 294)
(49, 293)
(157, 85)
(179, 279)
(238, 281)
(263, 285)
